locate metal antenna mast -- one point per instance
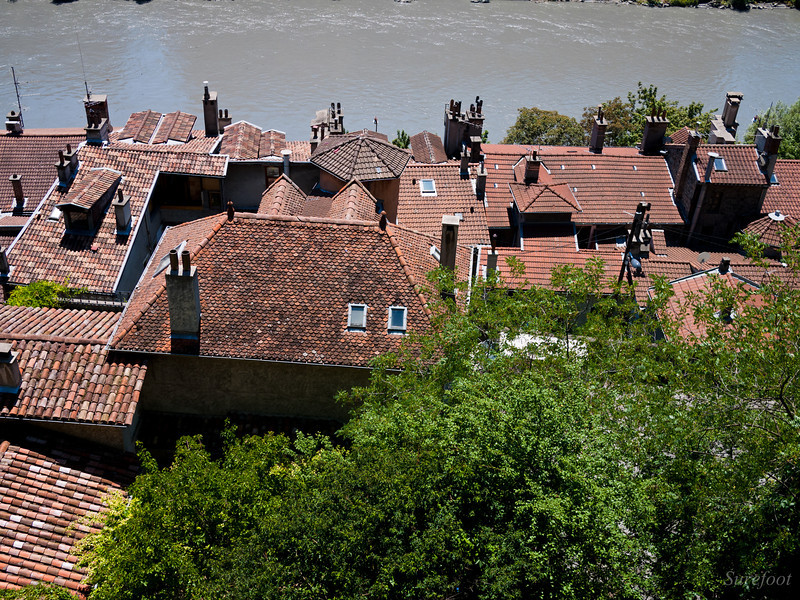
(83, 66)
(16, 88)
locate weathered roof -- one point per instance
(784, 195)
(770, 229)
(91, 188)
(47, 484)
(241, 141)
(454, 195)
(32, 154)
(544, 198)
(45, 251)
(283, 197)
(354, 202)
(741, 162)
(278, 288)
(149, 127)
(427, 147)
(361, 156)
(67, 374)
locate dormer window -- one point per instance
(397, 319)
(427, 187)
(357, 317)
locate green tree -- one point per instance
(787, 117)
(40, 293)
(546, 127)
(627, 117)
(402, 140)
(37, 592)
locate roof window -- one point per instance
(634, 168)
(55, 214)
(397, 319)
(427, 187)
(719, 164)
(357, 317)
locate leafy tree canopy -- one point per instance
(788, 118)
(40, 293)
(546, 127)
(550, 443)
(627, 117)
(402, 140)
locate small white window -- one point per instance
(357, 316)
(427, 187)
(397, 319)
(460, 216)
(719, 164)
(55, 214)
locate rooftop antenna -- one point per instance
(16, 88)
(83, 66)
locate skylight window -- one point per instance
(427, 187)
(719, 164)
(357, 317)
(397, 319)
(55, 214)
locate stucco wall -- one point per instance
(217, 386)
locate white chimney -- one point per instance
(183, 297)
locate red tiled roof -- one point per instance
(32, 155)
(741, 162)
(427, 147)
(241, 141)
(680, 137)
(67, 374)
(176, 126)
(769, 230)
(544, 198)
(141, 126)
(361, 156)
(45, 251)
(453, 195)
(785, 195)
(197, 143)
(91, 188)
(47, 485)
(301, 151)
(607, 186)
(278, 288)
(317, 206)
(354, 202)
(283, 197)
(272, 143)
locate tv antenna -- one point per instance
(16, 88)
(83, 66)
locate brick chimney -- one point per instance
(224, 119)
(14, 122)
(655, 128)
(724, 265)
(10, 374)
(465, 162)
(480, 183)
(532, 165)
(67, 166)
(96, 107)
(5, 268)
(447, 257)
(122, 212)
(767, 144)
(19, 196)
(689, 150)
(598, 138)
(183, 297)
(210, 111)
(475, 148)
(731, 109)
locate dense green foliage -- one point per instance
(402, 140)
(627, 117)
(36, 592)
(39, 293)
(788, 118)
(598, 459)
(545, 127)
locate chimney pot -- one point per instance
(183, 298)
(532, 164)
(173, 260)
(382, 222)
(210, 112)
(230, 211)
(186, 261)
(724, 265)
(122, 212)
(712, 156)
(19, 196)
(287, 157)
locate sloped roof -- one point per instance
(544, 198)
(91, 188)
(278, 288)
(361, 156)
(67, 374)
(354, 202)
(680, 137)
(769, 230)
(45, 251)
(454, 195)
(241, 141)
(607, 186)
(150, 127)
(47, 484)
(785, 195)
(32, 154)
(427, 147)
(283, 197)
(741, 162)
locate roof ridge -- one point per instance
(407, 270)
(34, 337)
(303, 219)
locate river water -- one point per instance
(275, 62)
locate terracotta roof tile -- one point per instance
(769, 230)
(278, 288)
(360, 156)
(354, 202)
(47, 484)
(197, 143)
(301, 151)
(241, 141)
(141, 126)
(544, 198)
(317, 206)
(283, 197)
(427, 147)
(680, 137)
(741, 162)
(454, 195)
(273, 143)
(176, 126)
(32, 155)
(45, 251)
(86, 192)
(67, 374)
(783, 196)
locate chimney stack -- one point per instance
(14, 122)
(598, 132)
(10, 374)
(465, 162)
(689, 150)
(5, 268)
(224, 119)
(475, 148)
(210, 111)
(19, 197)
(724, 265)
(532, 164)
(449, 240)
(287, 157)
(655, 128)
(712, 157)
(729, 112)
(480, 183)
(67, 166)
(122, 212)
(767, 145)
(96, 107)
(183, 297)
